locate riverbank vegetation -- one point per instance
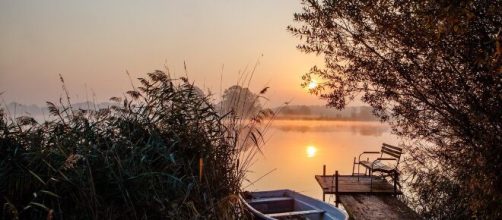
(160, 152)
(433, 69)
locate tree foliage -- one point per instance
(240, 101)
(434, 70)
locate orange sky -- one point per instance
(93, 43)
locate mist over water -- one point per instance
(297, 150)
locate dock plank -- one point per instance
(348, 184)
(363, 206)
(365, 197)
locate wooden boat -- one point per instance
(279, 204)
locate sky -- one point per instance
(93, 43)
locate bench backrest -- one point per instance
(392, 151)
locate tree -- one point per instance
(365, 113)
(303, 110)
(240, 101)
(433, 70)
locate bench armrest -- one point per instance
(371, 152)
(368, 152)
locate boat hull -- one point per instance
(277, 204)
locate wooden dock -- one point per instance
(348, 184)
(365, 197)
(363, 206)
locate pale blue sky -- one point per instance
(93, 43)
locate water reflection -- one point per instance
(358, 128)
(299, 149)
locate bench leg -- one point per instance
(371, 180)
(396, 181)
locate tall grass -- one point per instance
(162, 152)
(249, 125)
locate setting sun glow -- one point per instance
(312, 85)
(311, 151)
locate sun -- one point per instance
(312, 85)
(311, 151)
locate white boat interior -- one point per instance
(287, 204)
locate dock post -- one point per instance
(323, 174)
(354, 167)
(337, 199)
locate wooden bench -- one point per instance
(387, 153)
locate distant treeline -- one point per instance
(297, 112)
(17, 109)
(317, 112)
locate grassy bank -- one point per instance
(161, 152)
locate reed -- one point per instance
(161, 152)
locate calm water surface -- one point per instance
(297, 149)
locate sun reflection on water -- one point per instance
(311, 151)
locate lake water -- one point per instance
(296, 150)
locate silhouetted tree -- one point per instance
(240, 101)
(303, 110)
(365, 113)
(286, 110)
(353, 113)
(433, 69)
